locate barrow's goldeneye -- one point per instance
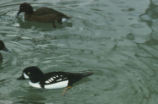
(52, 80)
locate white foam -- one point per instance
(64, 20)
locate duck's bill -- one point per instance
(18, 13)
(21, 77)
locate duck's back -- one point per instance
(47, 11)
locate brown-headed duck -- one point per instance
(43, 14)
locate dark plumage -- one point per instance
(2, 46)
(1, 58)
(43, 14)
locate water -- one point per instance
(115, 39)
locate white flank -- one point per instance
(36, 85)
(64, 20)
(26, 76)
(51, 86)
(57, 85)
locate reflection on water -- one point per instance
(31, 98)
(116, 39)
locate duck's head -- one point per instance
(32, 73)
(2, 46)
(26, 8)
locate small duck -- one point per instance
(43, 14)
(2, 46)
(52, 80)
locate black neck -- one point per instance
(36, 78)
(29, 11)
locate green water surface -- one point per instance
(115, 39)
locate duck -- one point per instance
(51, 80)
(43, 14)
(2, 46)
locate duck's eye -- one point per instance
(28, 73)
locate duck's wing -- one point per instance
(48, 11)
(55, 77)
(45, 11)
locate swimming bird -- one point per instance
(43, 14)
(52, 80)
(2, 46)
